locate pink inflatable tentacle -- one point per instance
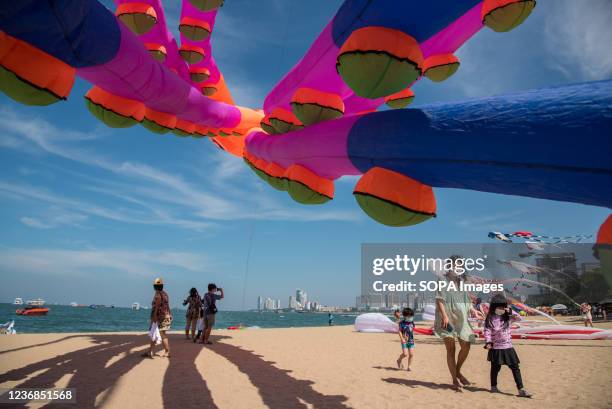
(133, 74)
(159, 34)
(318, 67)
(313, 148)
(188, 10)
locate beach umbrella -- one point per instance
(559, 307)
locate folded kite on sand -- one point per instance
(376, 322)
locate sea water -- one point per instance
(63, 318)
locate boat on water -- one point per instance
(136, 306)
(74, 304)
(95, 306)
(34, 308)
(18, 301)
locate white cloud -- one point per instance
(578, 37)
(34, 222)
(53, 221)
(227, 166)
(75, 262)
(349, 179)
(149, 194)
(498, 221)
(40, 195)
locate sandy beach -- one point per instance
(298, 367)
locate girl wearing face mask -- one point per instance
(499, 343)
(406, 334)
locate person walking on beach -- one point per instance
(499, 343)
(586, 314)
(200, 324)
(330, 319)
(210, 310)
(397, 315)
(161, 316)
(194, 304)
(451, 320)
(406, 334)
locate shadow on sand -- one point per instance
(42, 344)
(88, 367)
(413, 383)
(183, 385)
(277, 388)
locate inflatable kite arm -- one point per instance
(522, 144)
(320, 122)
(132, 59)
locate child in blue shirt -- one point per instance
(406, 333)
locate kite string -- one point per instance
(248, 262)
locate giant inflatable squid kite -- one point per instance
(320, 121)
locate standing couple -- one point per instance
(201, 313)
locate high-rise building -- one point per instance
(551, 263)
(370, 301)
(259, 303)
(270, 304)
(298, 295)
(292, 303)
(301, 297)
(278, 306)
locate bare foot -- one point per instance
(463, 380)
(399, 364)
(457, 386)
(408, 369)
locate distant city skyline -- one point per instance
(299, 302)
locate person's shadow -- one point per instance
(277, 388)
(184, 386)
(90, 373)
(413, 383)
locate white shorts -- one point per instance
(200, 324)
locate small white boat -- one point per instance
(136, 306)
(74, 304)
(18, 301)
(39, 302)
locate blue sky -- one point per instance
(91, 214)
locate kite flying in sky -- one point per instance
(320, 122)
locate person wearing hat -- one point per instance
(161, 315)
